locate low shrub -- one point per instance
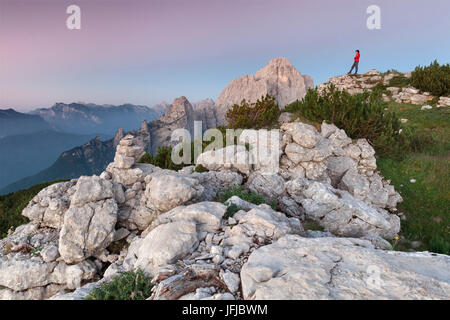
(263, 113)
(399, 81)
(131, 285)
(434, 79)
(163, 159)
(360, 115)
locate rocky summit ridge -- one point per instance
(175, 231)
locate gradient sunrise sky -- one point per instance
(144, 52)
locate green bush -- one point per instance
(360, 115)
(247, 195)
(11, 206)
(131, 285)
(163, 159)
(399, 81)
(263, 113)
(434, 79)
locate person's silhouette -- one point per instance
(355, 64)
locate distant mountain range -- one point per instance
(90, 118)
(31, 142)
(13, 122)
(93, 157)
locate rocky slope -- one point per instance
(358, 83)
(177, 233)
(279, 79)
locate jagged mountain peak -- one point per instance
(279, 78)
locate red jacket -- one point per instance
(357, 56)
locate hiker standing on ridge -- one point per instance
(355, 64)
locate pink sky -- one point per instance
(144, 52)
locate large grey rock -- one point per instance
(303, 134)
(265, 222)
(268, 185)
(87, 230)
(339, 212)
(48, 207)
(206, 215)
(215, 181)
(355, 183)
(167, 191)
(338, 166)
(166, 244)
(19, 272)
(91, 189)
(342, 268)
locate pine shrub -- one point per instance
(263, 113)
(360, 115)
(163, 159)
(434, 79)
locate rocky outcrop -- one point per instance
(354, 84)
(342, 268)
(205, 112)
(340, 213)
(279, 79)
(169, 225)
(180, 114)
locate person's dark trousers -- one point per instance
(355, 65)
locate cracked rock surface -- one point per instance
(342, 268)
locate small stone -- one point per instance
(120, 234)
(208, 238)
(232, 280)
(234, 253)
(216, 250)
(50, 253)
(105, 175)
(218, 259)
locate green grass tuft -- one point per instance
(131, 285)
